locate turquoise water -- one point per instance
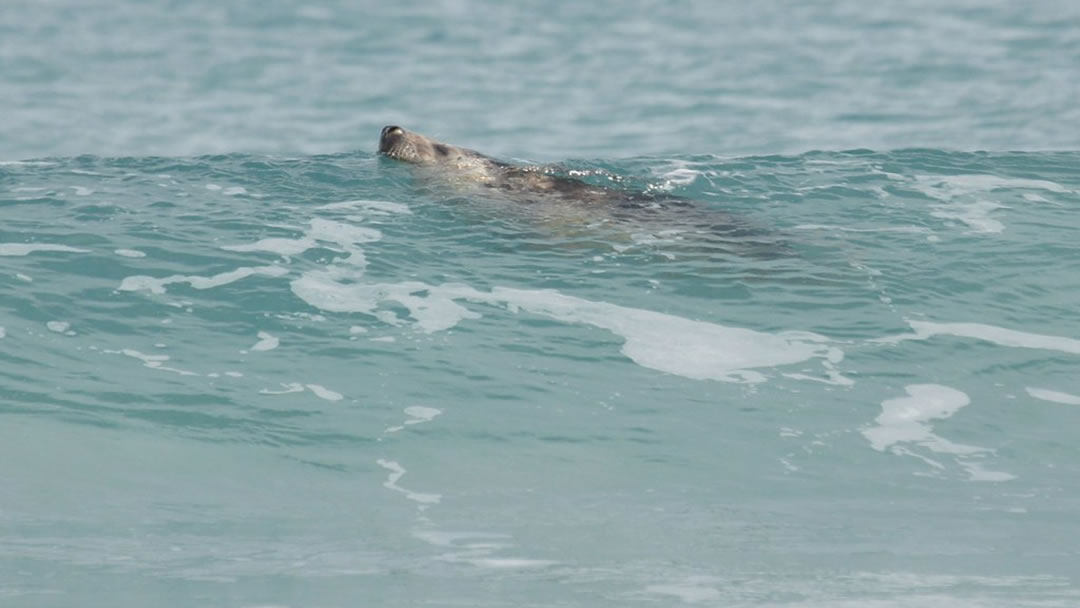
(246, 362)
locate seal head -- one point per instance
(461, 166)
(414, 148)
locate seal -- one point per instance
(463, 167)
(564, 204)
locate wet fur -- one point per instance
(471, 166)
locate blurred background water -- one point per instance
(246, 362)
(537, 79)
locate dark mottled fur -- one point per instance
(472, 166)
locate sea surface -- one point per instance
(246, 362)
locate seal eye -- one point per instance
(392, 130)
(441, 149)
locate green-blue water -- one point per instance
(246, 362)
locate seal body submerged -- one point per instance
(564, 204)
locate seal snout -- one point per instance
(390, 134)
(391, 131)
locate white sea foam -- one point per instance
(504, 563)
(903, 419)
(58, 326)
(693, 349)
(389, 317)
(324, 393)
(155, 285)
(964, 196)
(440, 538)
(396, 473)
(681, 176)
(24, 277)
(989, 333)
(289, 387)
(280, 246)
(321, 289)
(344, 235)
(420, 413)
(906, 420)
(13, 249)
(151, 361)
(976, 215)
(432, 310)
(417, 414)
(977, 472)
(948, 187)
(130, 253)
(266, 342)
(1055, 396)
(476, 549)
(318, 390)
(81, 191)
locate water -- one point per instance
(245, 362)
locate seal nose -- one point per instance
(390, 134)
(387, 138)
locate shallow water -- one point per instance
(245, 362)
